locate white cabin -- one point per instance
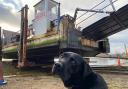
(46, 13)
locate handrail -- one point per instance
(94, 13)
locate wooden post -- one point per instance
(20, 51)
(23, 38)
(25, 35)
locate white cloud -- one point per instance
(120, 3)
(9, 27)
(18, 3)
(31, 3)
(10, 6)
(71, 5)
(9, 16)
(1, 1)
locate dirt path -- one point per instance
(40, 82)
(50, 82)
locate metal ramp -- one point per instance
(116, 22)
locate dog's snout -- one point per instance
(57, 68)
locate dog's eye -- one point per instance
(73, 62)
(61, 56)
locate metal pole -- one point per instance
(91, 9)
(58, 17)
(126, 50)
(58, 26)
(112, 5)
(97, 11)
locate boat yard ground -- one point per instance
(50, 82)
(40, 79)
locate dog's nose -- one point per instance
(57, 68)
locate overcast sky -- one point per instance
(10, 16)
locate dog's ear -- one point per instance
(87, 70)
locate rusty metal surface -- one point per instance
(25, 34)
(116, 22)
(23, 38)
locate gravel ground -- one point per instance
(50, 82)
(38, 79)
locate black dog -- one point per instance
(76, 73)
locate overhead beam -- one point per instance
(89, 10)
(116, 22)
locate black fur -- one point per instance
(76, 73)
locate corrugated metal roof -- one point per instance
(116, 22)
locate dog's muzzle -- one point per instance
(57, 69)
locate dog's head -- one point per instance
(71, 68)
